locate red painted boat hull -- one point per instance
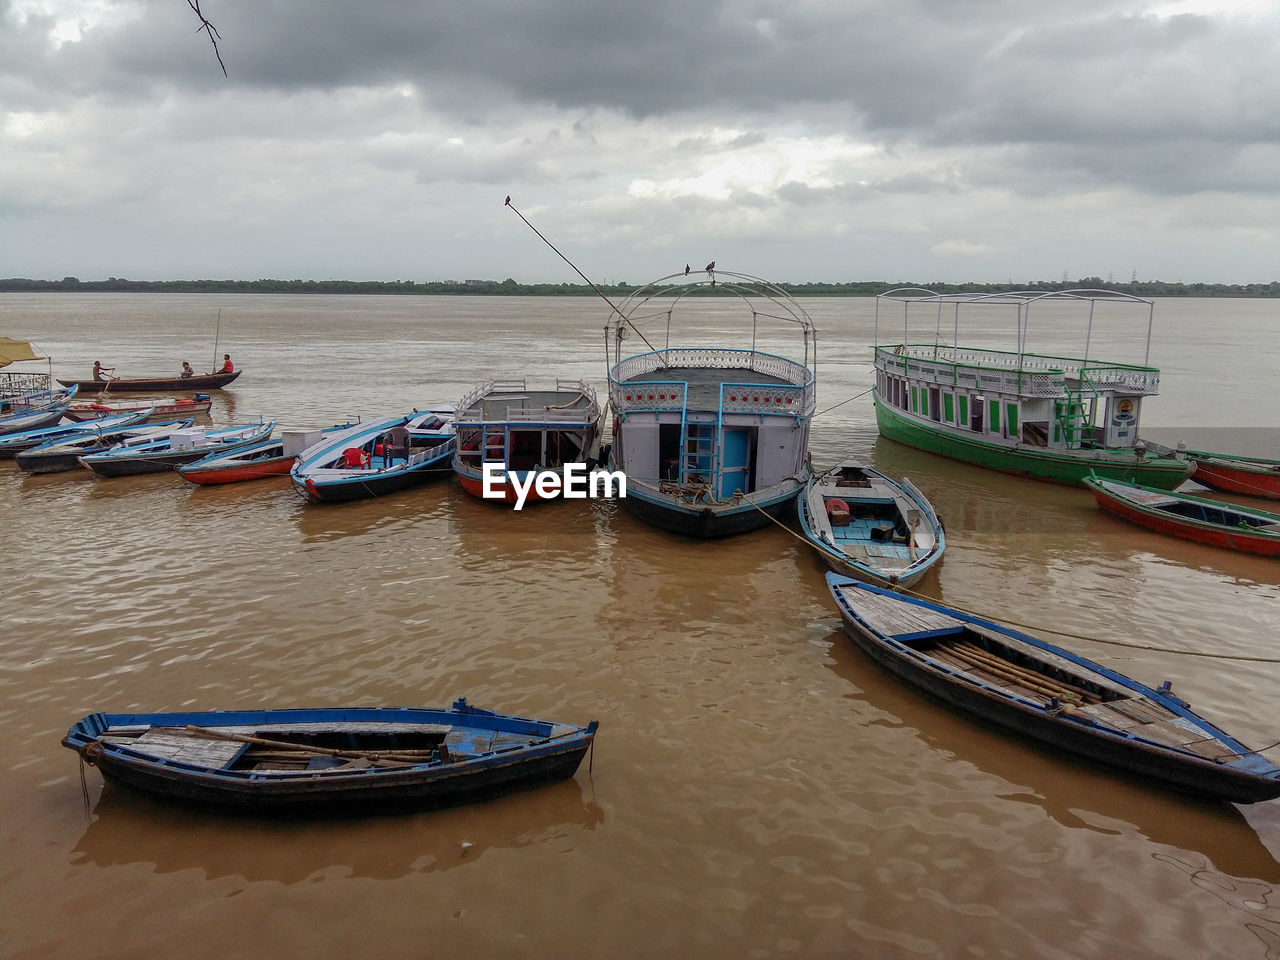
(1171, 525)
(475, 487)
(237, 473)
(1253, 483)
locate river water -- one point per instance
(757, 789)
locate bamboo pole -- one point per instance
(373, 756)
(1009, 671)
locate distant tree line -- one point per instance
(509, 287)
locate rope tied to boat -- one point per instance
(1037, 628)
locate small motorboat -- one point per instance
(354, 760)
(160, 407)
(12, 444)
(176, 448)
(867, 526)
(55, 456)
(377, 457)
(1189, 517)
(1049, 694)
(272, 457)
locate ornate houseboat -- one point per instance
(522, 430)
(713, 440)
(1048, 417)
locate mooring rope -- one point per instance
(1036, 628)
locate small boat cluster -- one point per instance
(712, 441)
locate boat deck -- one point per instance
(703, 383)
(1021, 669)
(526, 405)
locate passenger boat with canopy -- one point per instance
(713, 438)
(1036, 415)
(519, 430)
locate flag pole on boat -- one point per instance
(599, 292)
(216, 334)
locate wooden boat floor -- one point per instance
(1127, 711)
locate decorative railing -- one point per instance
(1028, 375)
(649, 395)
(766, 398)
(471, 408)
(795, 396)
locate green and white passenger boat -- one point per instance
(1048, 417)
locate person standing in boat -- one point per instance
(100, 372)
(186, 370)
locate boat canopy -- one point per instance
(14, 351)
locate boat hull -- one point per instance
(1063, 467)
(1238, 477)
(362, 791)
(710, 521)
(373, 483)
(212, 381)
(33, 461)
(238, 473)
(114, 466)
(1176, 771)
(1239, 538)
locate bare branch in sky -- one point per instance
(211, 30)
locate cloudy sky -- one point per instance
(802, 140)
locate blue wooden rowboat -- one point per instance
(377, 457)
(1051, 695)
(33, 419)
(64, 453)
(337, 761)
(12, 444)
(867, 526)
(178, 447)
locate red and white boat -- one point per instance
(1192, 518)
(518, 431)
(162, 408)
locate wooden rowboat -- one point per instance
(208, 381)
(161, 408)
(1049, 694)
(344, 761)
(1189, 517)
(173, 449)
(12, 444)
(865, 525)
(1253, 476)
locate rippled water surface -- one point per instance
(757, 788)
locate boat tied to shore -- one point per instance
(517, 430)
(868, 526)
(713, 439)
(170, 450)
(1190, 517)
(1047, 417)
(376, 457)
(1067, 703)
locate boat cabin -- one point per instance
(1011, 398)
(503, 421)
(728, 422)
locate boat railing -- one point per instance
(649, 395)
(471, 409)
(1030, 375)
(768, 398)
(18, 388)
(713, 358)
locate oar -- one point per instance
(373, 756)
